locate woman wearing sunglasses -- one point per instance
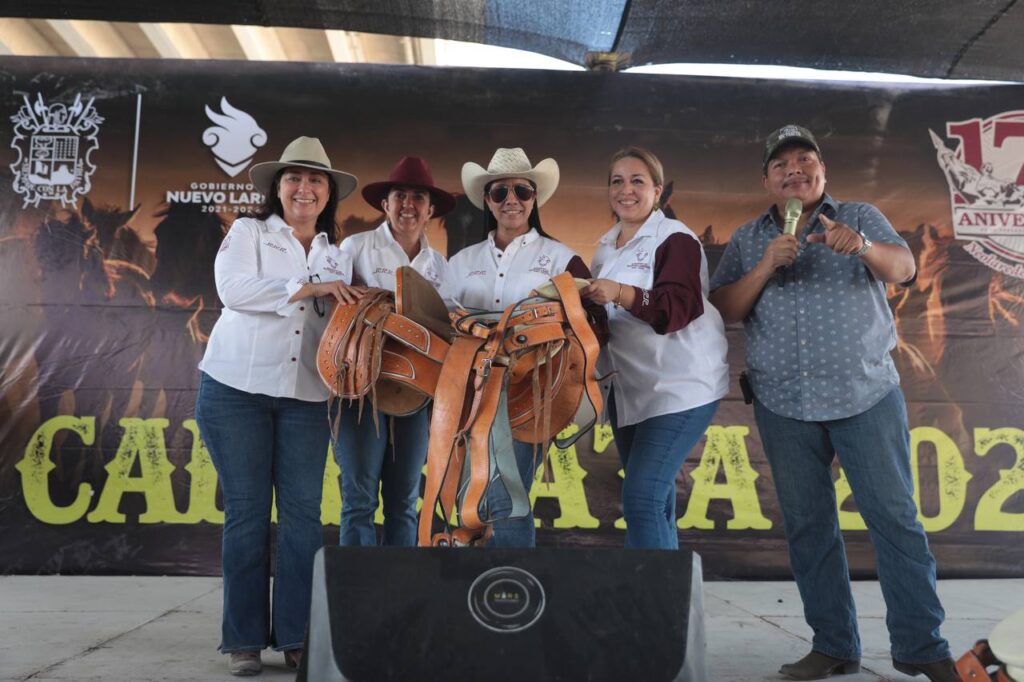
(666, 354)
(261, 406)
(371, 453)
(515, 258)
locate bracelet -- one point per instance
(618, 296)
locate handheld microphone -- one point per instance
(790, 216)
(794, 207)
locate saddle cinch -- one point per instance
(520, 374)
(388, 346)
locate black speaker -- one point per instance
(467, 614)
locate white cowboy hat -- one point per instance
(509, 163)
(304, 152)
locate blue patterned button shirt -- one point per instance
(817, 346)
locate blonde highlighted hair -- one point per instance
(648, 158)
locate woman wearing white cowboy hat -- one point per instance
(515, 258)
(261, 404)
(409, 200)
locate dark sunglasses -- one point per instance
(499, 193)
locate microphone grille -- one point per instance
(794, 207)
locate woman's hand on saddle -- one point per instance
(604, 291)
(341, 292)
(336, 289)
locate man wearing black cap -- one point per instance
(807, 278)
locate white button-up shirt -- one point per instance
(487, 278)
(657, 374)
(376, 256)
(261, 342)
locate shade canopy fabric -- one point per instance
(931, 38)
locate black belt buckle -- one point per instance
(748, 392)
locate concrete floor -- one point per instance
(121, 629)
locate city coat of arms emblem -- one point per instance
(54, 144)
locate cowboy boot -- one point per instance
(816, 665)
(936, 671)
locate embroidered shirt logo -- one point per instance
(476, 273)
(986, 187)
(54, 145)
(274, 246)
(543, 264)
(641, 256)
(234, 138)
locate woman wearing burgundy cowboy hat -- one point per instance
(391, 456)
(515, 258)
(261, 404)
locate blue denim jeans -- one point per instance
(874, 450)
(261, 446)
(371, 462)
(652, 452)
(519, 532)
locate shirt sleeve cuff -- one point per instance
(291, 287)
(641, 302)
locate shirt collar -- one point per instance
(383, 237)
(276, 223)
(648, 229)
(767, 219)
(523, 240)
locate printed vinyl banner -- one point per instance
(119, 178)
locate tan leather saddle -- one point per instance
(388, 346)
(520, 374)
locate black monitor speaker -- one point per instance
(444, 615)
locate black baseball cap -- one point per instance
(786, 135)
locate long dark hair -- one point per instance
(491, 223)
(326, 222)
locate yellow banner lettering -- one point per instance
(602, 437)
(990, 515)
(36, 465)
(202, 500)
(567, 486)
(143, 440)
(725, 448)
(330, 505)
(953, 477)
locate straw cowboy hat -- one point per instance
(509, 163)
(411, 171)
(303, 152)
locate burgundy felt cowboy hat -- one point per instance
(411, 171)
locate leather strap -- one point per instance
(447, 416)
(545, 344)
(577, 318)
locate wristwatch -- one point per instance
(864, 247)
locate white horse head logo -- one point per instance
(234, 139)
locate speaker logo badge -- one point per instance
(984, 168)
(506, 599)
(54, 144)
(234, 137)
